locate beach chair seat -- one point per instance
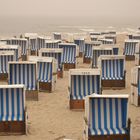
(13, 113)
(82, 82)
(106, 117)
(25, 72)
(113, 71)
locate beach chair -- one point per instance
(129, 49)
(81, 44)
(24, 72)
(112, 71)
(5, 57)
(70, 54)
(56, 53)
(23, 43)
(15, 48)
(97, 51)
(13, 116)
(88, 51)
(82, 82)
(52, 44)
(106, 41)
(40, 42)
(46, 73)
(136, 36)
(112, 37)
(57, 36)
(137, 55)
(106, 117)
(93, 38)
(135, 86)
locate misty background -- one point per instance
(18, 16)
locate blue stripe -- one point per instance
(7, 104)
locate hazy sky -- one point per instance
(84, 8)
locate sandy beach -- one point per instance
(51, 119)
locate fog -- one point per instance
(70, 8)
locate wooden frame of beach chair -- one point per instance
(23, 43)
(137, 55)
(15, 48)
(100, 50)
(81, 44)
(25, 72)
(106, 117)
(129, 49)
(82, 82)
(5, 56)
(57, 53)
(47, 72)
(112, 71)
(13, 118)
(70, 54)
(135, 86)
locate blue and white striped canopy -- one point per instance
(51, 44)
(23, 43)
(12, 104)
(97, 53)
(108, 116)
(81, 44)
(69, 54)
(4, 59)
(55, 55)
(44, 72)
(129, 48)
(11, 49)
(40, 43)
(20, 73)
(88, 50)
(112, 69)
(83, 85)
(33, 44)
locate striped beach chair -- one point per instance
(137, 55)
(129, 49)
(15, 48)
(70, 54)
(56, 53)
(136, 36)
(40, 42)
(97, 51)
(24, 72)
(106, 41)
(112, 71)
(135, 86)
(52, 44)
(12, 110)
(112, 37)
(88, 51)
(83, 82)
(46, 73)
(5, 57)
(106, 117)
(23, 43)
(81, 44)
(57, 36)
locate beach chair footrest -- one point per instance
(32, 95)
(45, 86)
(77, 104)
